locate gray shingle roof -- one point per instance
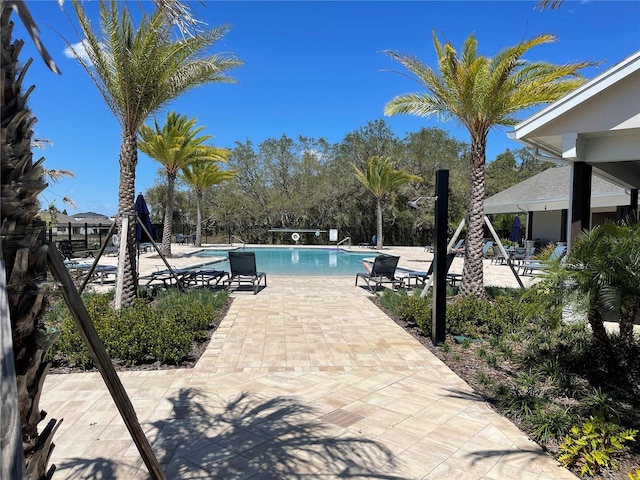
(550, 188)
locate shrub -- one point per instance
(417, 310)
(592, 445)
(391, 300)
(551, 422)
(162, 330)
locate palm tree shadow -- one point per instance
(247, 437)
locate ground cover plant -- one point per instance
(550, 377)
(158, 331)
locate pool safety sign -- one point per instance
(333, 234)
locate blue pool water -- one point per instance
(315, 262)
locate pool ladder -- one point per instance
(238, 238)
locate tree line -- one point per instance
(309, 183)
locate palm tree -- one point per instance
(380, 178)
(202, 175)
(482, 93)
(22, 237)
(137, 72)
(175, 146)
(22, 240)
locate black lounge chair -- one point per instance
(205, 278)
(421, 277)
(383, 271)
(243, 270)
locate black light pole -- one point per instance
(439, 302)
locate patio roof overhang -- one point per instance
(597, 124)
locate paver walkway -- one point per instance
(307, 379)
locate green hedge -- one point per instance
(159, 330)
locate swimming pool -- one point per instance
(315, 262)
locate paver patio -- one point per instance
(308, 379)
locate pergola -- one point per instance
(596, 128)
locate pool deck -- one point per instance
(308, 379)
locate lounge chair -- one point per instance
(531, 265)
(485, 250)
(500, 259)
(167, 278)
(243, 270)
(459, 247)
(100, 272)
(383, 271)
(373, 243)
(421, 277)
(205, 278)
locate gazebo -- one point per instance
(596, 128)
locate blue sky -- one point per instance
(311, 68)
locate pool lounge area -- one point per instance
(307, 379)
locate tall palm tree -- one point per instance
(202, 175)
(137, 72)
(175, 145)
(22, 235)
(380, 178)
(482, 93)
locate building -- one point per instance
(544, 199)
(595, 130)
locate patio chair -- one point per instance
(531, 265)
(243, 270)
(206, 278)
(100, 272)
(500, 259)
(373, 243)
(459, 247)
(383, 271)
(485, 250)
(421, 277)
(166, 279)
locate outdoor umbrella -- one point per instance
(516, 230)
(144, 218)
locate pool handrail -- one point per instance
(346, 239)
(237, 238)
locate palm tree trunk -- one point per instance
(602, 338)
(22, 251)
(628, 311)
(167, 231)
(126, 208)
(379, 222)
(198, 242)
(472, 273)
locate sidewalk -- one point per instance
(307, 379)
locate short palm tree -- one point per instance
(482, 93)
(380, 178)
(202, 175)
(175, 145)
(137, 72)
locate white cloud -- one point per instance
(78, 49)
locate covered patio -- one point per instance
(595, 129)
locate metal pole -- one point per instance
(439, 302)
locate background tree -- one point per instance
(481, 93)
(137, 72)
(175, 146)
(380, 178)
(202, 175)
